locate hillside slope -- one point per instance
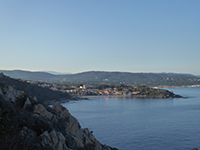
(43, 94)
(96, 77)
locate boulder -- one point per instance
(70, 141)
(27, 103)
(34, 100)
(45, 139)
(74, 127)
(86, 131)
(27, 134)
(41, 110)
(10, 93)
(54, 137)
(61, 137)
(61, 111)
(89, 137)
(78, 142)
(54, 140)
(10, 96)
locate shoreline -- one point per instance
(63, 100)
(183, 86)
(51, 102)
(137, 97)
(86, 97)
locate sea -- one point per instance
(142, 124)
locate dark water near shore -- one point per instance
(143, 124)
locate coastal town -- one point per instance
(138, 91)
(85, 90)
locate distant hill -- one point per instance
(57, 73)
(28, 75)
(96, 77)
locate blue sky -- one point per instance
(107, 35)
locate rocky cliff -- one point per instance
(27, 124)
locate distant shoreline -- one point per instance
(121, 96)
(183, 86)
(63, 100)
(86, 97)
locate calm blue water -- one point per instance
(143, 124)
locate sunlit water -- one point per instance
(143, 124)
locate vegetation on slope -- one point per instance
(146, 91)
(42, 94)
(96, 77)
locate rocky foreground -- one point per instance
(27, 124)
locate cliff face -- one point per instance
(28, 124)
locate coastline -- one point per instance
(134, 97)
(183, 86)
(64, 100)
(86, 97)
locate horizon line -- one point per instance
(67, 73)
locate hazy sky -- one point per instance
(107, 35)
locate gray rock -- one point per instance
(78, 142)
(86, 131)
(89, 135)
(41, 110)
(61, 137)
(35, 100)
(10, 96)
(10, 93)
(70, 141)
(54, 137)
(74, 127)
(45, 139)
(61, 111)
(27, 103)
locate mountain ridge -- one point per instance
(97, 77)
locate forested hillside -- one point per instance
(96, 77)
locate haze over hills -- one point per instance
(56, 73)
(96, 77)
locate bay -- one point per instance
(143, 124)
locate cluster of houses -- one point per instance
(83, 90)
(106, 92)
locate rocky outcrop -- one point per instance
(41, 110)
(81, 136)
(10, 93)
(54, 140)
(50, 128)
